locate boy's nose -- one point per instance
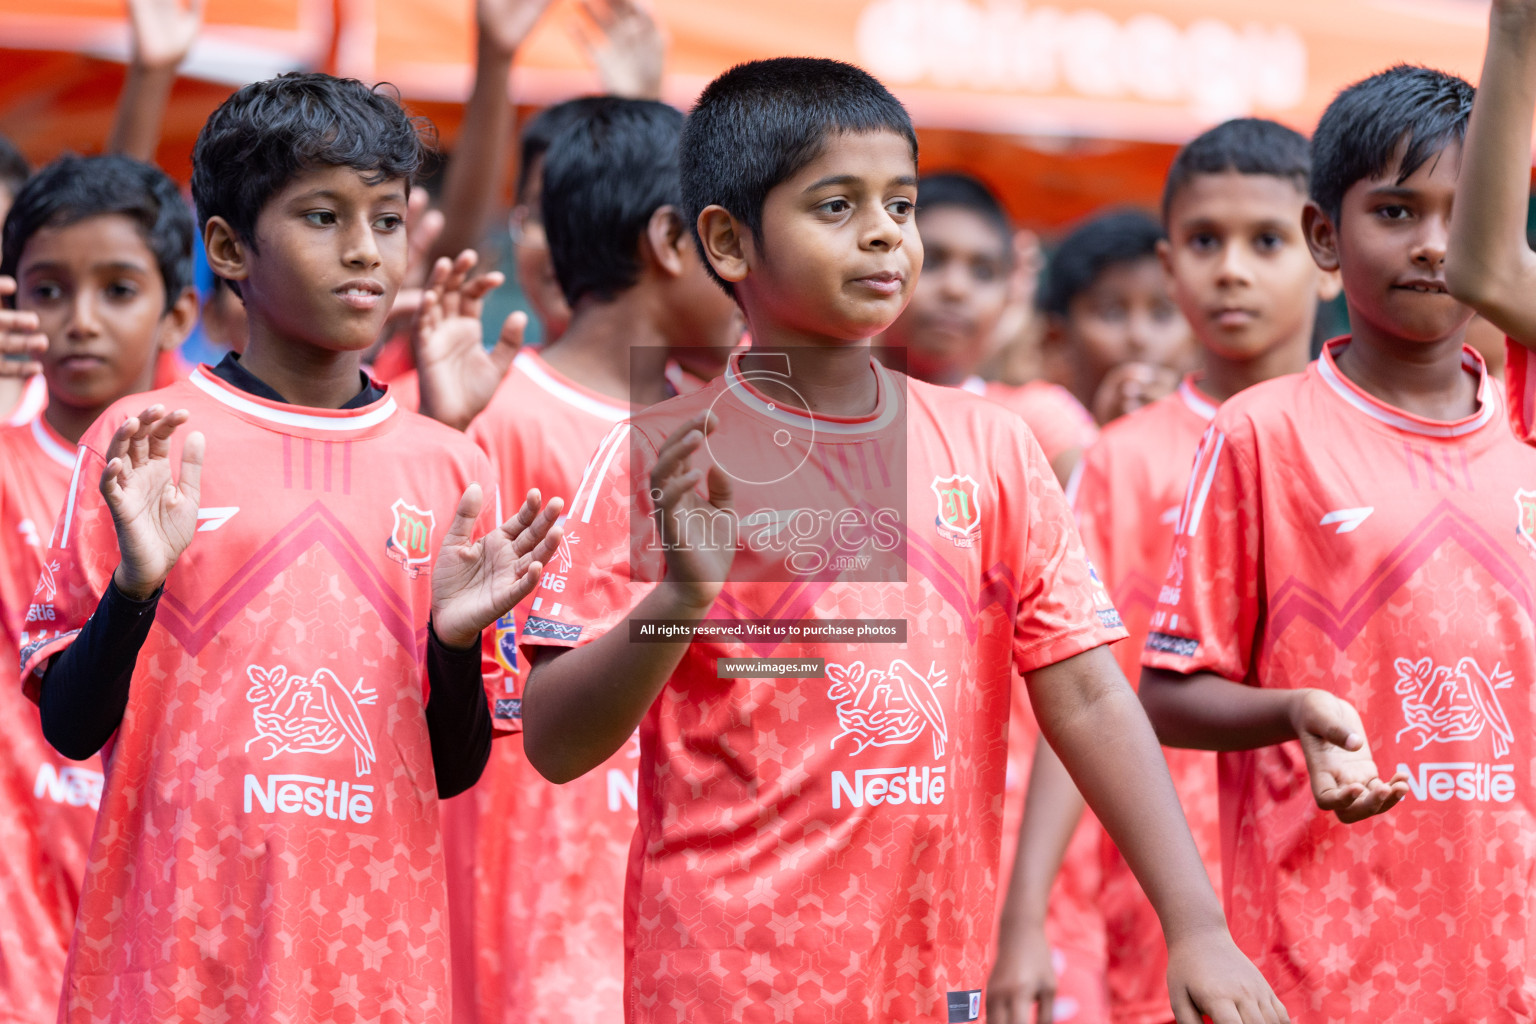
(83, 321)
(362, 249)
(1431, 243)
(1234, 265)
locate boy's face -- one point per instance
(1389, 248)
(840, 250)
(96, 289)
(1126, 315)
(329, 256)
(535, 268)
(1241, 269)
(959, 298)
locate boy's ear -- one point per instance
(725, 243)
(227, 254)
(177, 322)
(1329, 284)
(1165, 256)
(1322, 236)
(665, 236)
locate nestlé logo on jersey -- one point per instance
(1456, 704)
(893, 706)
(410, 539)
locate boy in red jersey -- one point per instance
(1349, 612)
(1490, 265)
(826, 849)
(944, 333)
(287, 696)
(550, 860)
(103, 250)
(1110, 319)
(1247, 284)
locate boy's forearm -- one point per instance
(581, 705)
(477, 167)
(1052, 809)
(140, 112)
(1203, 711)
(1489, 264)
(1090, 715)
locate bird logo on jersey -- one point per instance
(47, 583)
(313, 715)
(959, 517)
(1525, 523)
(411, 538)
(886, 707)
(1446, 705)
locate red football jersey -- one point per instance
(47, 803)
(540, 914)
(268, 847)
(825, 848)
(1520, 380)
(1059, 421)
(34, 397)
(1327, 539)
(1127, 498)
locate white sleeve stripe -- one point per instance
(599, 462)
(69, 508)
(1205, 487)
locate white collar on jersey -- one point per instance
(49, 444)
(539, 372)
(975, 385)
(1194, 400)
(225, 395)
(1487, 399)
(885, 412)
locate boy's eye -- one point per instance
(320, 218)
(122, 290)
(1394, 211)
(389, 222)
(1204, 241)
(1268, 242)
(901, 208)
(835, 206)
(45, 291)
(985, 270)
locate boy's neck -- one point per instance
(615, 348)
(827, 376)
(1422, 378)
(306, 375)
(1221, 377)
(69, 422)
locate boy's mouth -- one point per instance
(886, 282)
(360, 294)
(1234, 316)
(1424, 286)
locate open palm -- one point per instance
(154, 512)
(163, 30)
(1344, 776)
(457, 374)
(698, 553)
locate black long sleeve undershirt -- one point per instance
(85, 688)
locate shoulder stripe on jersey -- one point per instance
(1074, 484)
(1198, 508)
(386, 409)
(1195, 401)
(1485, 398)
(69, 506)
(51, 448)
(600, 461)
(535, 371)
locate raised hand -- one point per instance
(625, 44)
(457, 374)
(22, 341)
(1208, 975)
(1023, 977)
(696, 567)
(1130, 386)
(154, 512)
(504, 24)
(476, 582)
(161, 32)
(1344, 775)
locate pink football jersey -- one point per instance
(47, 803)
(268, 847)
(540, 913)
(1520, 382)
(825, 847)
(34, 397)
(1127, 498)
(1329, 540)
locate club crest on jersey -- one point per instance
(1525, 522)
(888, 707)
(959, 517)
(1445, 704)
(316, 714)
(410, 540)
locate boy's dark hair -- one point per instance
(269, 132)
(541, 131)
(761, 122)
(1247, 145)
(966, 193)
(1415, 108)
(73, 188)
(1104, 241)
(14, 169)
(604, 176)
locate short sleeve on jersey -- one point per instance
(1208, 606)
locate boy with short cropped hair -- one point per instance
(1247, 284)
(281, 645)
(1348, 613)
(818, 835)
(102, 247)
(1110, 316)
